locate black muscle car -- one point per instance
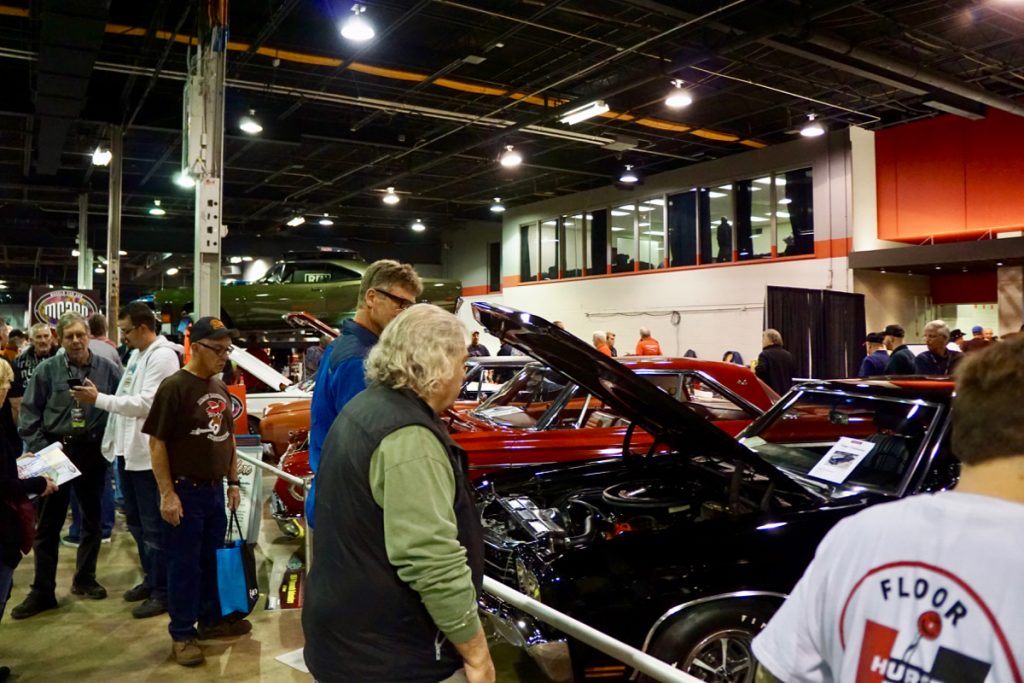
(687, 549)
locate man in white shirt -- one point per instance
(152, 360)
(926, 589)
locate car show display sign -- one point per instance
(842, 459)
(48, 305)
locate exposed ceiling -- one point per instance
(428, 105)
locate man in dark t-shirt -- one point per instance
(193, 449)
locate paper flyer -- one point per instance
(841, 460)
(50, 462)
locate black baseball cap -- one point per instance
(875, 337)
(956, 334)
(209, 328)
(894, 331)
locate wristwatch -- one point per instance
(235, 483)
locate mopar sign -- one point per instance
(50, 304)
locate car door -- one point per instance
(270, 298)
(341, 294)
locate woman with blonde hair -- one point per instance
(399, 547)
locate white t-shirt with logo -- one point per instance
(929, 589)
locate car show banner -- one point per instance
(48, 305)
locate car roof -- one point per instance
(934, 389)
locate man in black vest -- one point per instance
(775, 366)
(399, 563)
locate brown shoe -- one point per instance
(187, 653)
(224, 629)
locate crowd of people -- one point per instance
(397, 552)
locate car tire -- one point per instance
(694, 641)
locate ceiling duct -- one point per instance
(70, 35)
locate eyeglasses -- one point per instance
(130, 329)
(399, 301)
(220, 352)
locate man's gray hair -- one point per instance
(645, 332)
(420, 350)
(773, 336)
(385, 274)
(38, 327)
(938, 326)
(600, 337)
(69, 319)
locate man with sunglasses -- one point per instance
(152, 360)
(192, 445)
(387, 288)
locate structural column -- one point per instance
(1010, 297)
(84, 252)
(113, 224)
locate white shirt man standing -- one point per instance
(152, 360)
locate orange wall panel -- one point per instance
(995, 172)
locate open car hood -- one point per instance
(303, 320)
(634, 398)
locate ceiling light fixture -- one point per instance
(356, 28)
(390, 198)
(510, 158)
(172, 271)
(587, 111)
(235, 259)
(628, 176)
(785, 200)
(156, 209)
(249, 124)
(122, 252)
(812, 128)
(296, 221)
(247, 259)
(74, 252)
(326, 221)
(497, 206)
(98, 269)
(182, 179)
(678, 97)
(418, 226)
(101, 156)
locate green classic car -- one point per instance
(324, 287)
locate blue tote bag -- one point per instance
(236, 573)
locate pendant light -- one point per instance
(510, 158)
(418, 226)
(497, 206)
(356, 28)
(629, 176)
(678, 97)
(390, 198)
(812, 128)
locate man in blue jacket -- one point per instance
(876, 360)
(387, 288)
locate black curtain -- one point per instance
(682, 229)
(800, 192)
(704, 225)
(821, 328)
(744, 203)
(598, 242)
(526, 272)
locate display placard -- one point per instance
(250, 508)
(48, 305)
(842, 459)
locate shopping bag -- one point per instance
(236, 573)
(25, 514)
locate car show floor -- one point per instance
(86, 640)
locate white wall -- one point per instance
(466, 316)
(895, 298)
(465, 253)
(720, 308)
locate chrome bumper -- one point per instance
(521, 630)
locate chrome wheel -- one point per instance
(722, 657)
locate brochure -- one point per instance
(50, 462)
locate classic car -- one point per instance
(325, 284)
(281, 422)
(686, 547)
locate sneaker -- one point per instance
(69, 542)
(137, 593)
(93, 590)
(33, 604)
(224, 629)
(187, 653)
(150, 608)
(106, 539)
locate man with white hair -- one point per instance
(601, 343)
(937, 360)
(648, 345)
(775, 366)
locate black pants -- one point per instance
(54, 511)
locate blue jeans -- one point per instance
(6, 581)
(142, 517)
(106, 510)
(191, 549)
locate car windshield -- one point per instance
(840, 444)
(523, 400)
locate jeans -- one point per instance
(107, 509)
(191, 549)
(54, 510)
(142, 517)
(118, 487)
(6, 581)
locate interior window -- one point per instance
(711, 401)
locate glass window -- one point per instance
(651, 224)
(682, 228)
(597, 241)
(716, 224)
(623, 238)
(753, 218)
(549, 249)
(529, 260)
(794, 212)
(572, 244)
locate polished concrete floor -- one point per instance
(86, 640)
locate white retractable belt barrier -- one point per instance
(642, 662)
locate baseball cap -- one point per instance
(977, 329)
(209, 328)
(894, 331)
(956, 334)
(874, 337)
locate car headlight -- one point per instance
(528, 582)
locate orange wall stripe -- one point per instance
(476, 290)
(510, 281)
(14, 11)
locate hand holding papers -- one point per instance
(48, 462)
